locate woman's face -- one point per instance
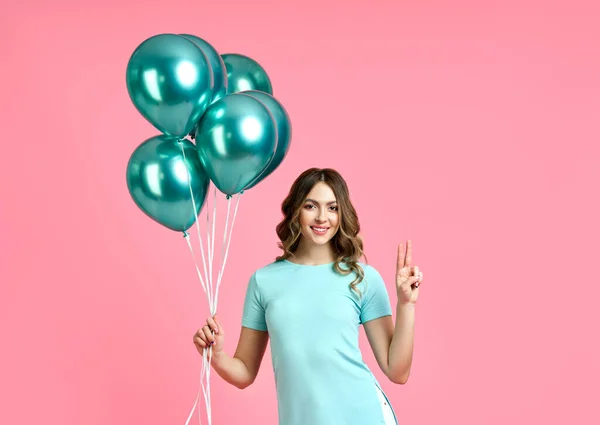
(319, 219)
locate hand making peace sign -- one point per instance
(408, 278)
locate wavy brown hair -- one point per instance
(346, 242)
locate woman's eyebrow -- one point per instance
(313, 201)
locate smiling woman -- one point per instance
(318, 211)
(310, 303)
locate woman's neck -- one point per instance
(311, 254)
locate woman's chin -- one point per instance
(317, 240)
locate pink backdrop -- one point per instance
(471, 129)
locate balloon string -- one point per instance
(206, 399)
(204, 286)
(208, 287)
(208, 293)
(187, 239)
(206, 363)
(203, 368)
(213, 305)
(209, 402)
(206, 389)
(213, 310)
(220, 277)
(225, 231)
(193, 409)
(208, 245)
(205, 371)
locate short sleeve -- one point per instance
(375, 302)
(253, 316)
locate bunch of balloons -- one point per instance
(219, 123)
(225, 103)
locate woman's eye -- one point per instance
(334, 208)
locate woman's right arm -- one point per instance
(241, 369)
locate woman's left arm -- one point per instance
(393, 344)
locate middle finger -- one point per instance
(208, 333)
(199, 341)
(408, 257)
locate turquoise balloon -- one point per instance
(284, 132)
(157, 180)
(170, 82)
(216, 64)
(244, 73)
(236, 141)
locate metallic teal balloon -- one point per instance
(244, 73)
(284, 132)
(170, 82)
(236, 141)
(216, 64)
(157, 179)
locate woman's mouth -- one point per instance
(319, 231)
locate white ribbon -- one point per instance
(207, 281)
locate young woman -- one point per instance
(310, 302)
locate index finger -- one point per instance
(408, 258)
(400, 260)
(213, 325)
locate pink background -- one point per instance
(470, 127)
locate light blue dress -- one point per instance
(312, 317)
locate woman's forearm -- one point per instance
(231, 369)
(401, 347)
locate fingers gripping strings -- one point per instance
(207, 281)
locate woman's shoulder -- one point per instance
(368, 268)
(271, 268)
(370, 271)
